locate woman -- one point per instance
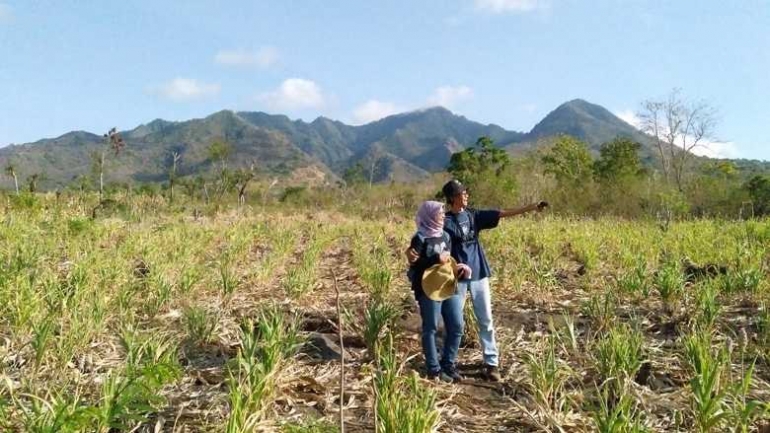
(432, 247)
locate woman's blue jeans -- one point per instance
(451, 310)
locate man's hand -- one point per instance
(537, 207)
(411, 255)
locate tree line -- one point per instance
(611, 181)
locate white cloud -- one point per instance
(264, 58)
(6, 14)
(711, 149)
(372, 110)
(187, 89)
(502, 6)
(448, 96)
(629, 117)
(294, 93)
(444, 96)
(717, 149)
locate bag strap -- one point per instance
(471, 223)
(420, 236)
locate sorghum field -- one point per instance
(154, 319)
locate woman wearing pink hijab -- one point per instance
(433, 246)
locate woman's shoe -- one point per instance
(452, 373)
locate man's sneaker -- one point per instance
(491, 373)
(452, 373)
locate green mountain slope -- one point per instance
(402, 147)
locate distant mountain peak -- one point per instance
(577, 102)
(440, 111)
(78, 135)
(586, 121)
(222, 114)
(432, 110)
(437, 109)
(324, 120)
(585, 108)
(152, 127)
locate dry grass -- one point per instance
(71, 290)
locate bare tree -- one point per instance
(10, 170)
(678, 126)
(175, 157)
(651, 118)
(97, 157)
(32, 182)
(202, 183)
(82, 182)
(242, 178)
(116, 143)
(375, 162)
(266, 191)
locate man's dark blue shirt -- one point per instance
(463, 229)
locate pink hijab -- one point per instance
(428, 219)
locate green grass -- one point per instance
(266, 347)
(620, 354)
(200, 324)
(620, 416)
(548, 375)
(706, 384)
(403, 403)
(90, 343)
(669, 283)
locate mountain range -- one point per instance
(402, 147)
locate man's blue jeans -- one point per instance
(482, 309)
(451, 310)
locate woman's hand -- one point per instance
(411, 255)
(443, 258)
(463, 271)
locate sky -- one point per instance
(91, 64)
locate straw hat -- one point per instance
(438, 281)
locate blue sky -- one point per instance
(92, 64)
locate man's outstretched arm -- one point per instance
(505, 213)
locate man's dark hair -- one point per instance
(452, 189)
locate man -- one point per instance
(463, 226)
